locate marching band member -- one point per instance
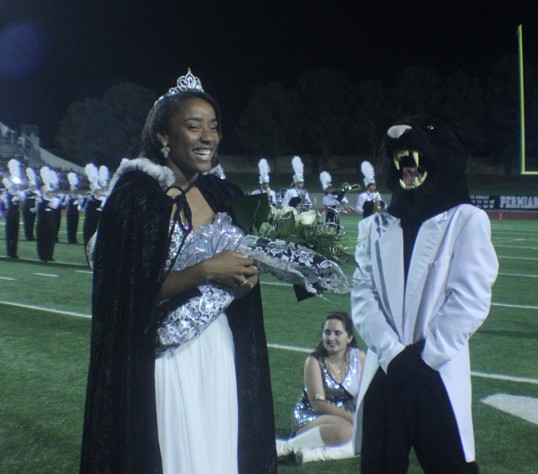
(369, 201)
(332, 201)
(31, 196)
(297, 196)
(72, 208)
(98, 178)
(263, 167)
(48, 208)
(12, 199)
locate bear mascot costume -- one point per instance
(421, 288)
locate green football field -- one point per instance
(44, 345)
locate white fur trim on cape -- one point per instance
(162, 174)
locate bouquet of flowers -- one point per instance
(306, 228)
(296, 247)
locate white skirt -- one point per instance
(196, 396)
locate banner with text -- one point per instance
(520, 203)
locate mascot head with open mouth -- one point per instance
(424, 163)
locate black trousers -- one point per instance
(416, 414)
(91, 221)
(46, 232)
(12, 231)
(71, 217)
(28, 218)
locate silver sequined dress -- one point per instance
(342, 395)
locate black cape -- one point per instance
(120, 426)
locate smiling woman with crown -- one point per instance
(179, 374)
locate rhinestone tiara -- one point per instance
(188, 82)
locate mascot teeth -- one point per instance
(406, 159)
(401, 154)
(418, 181)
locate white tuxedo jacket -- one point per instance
(446, 299)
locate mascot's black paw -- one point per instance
(408, 367)
(424, 162)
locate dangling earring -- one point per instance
(165, 150)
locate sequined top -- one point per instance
(189, 319)
(343, 395)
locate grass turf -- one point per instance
(44, 356)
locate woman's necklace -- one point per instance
(338, 371)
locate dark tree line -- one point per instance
(103, 131)
(325, 115)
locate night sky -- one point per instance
(54, 52)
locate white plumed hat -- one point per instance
(92, 172)
(15, 170)
(73, 180)
(32, 178)
(298, 169)
(104, 174)
(50, 179)
(325, 179)
(368, 172)
(263, 167)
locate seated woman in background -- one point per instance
(323, 417)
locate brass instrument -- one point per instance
(280, 197)
(350, 188)
(303, 204)
(378, 207)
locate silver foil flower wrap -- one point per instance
(295, 264)
(287, 261)
(189, 320)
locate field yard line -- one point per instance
(517, 258)
(518, 306)
(503, 305)
(47, 310)
(56, 262)
(511, 236)
(518, 275)
(515, 231)
(88, 316)
(516, 247)
(50, 275)
(285, 347)
(508, 378)
(7, 278)
(484, 375)
(515, 405)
